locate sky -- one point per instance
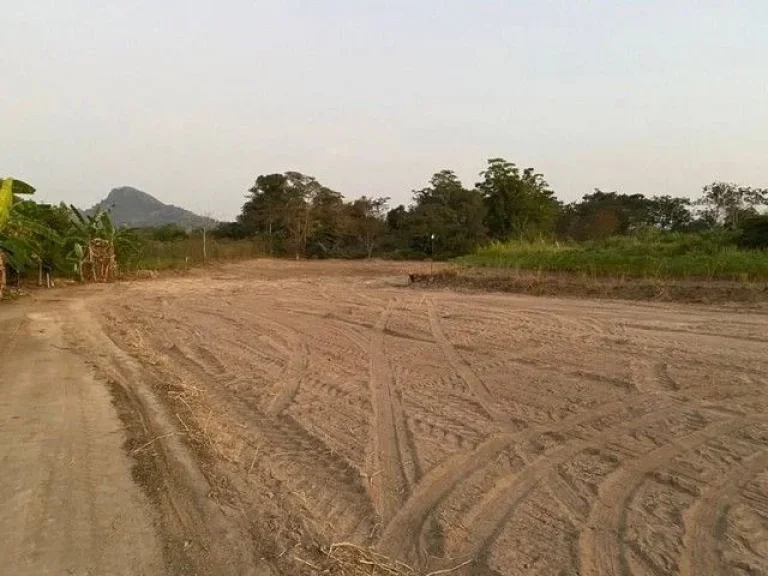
(191, 100)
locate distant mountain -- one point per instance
(136, 209)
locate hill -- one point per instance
(131, 207)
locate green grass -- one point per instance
(695, 256)
(188, 253)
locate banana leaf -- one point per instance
(6, 199)
(9, 187)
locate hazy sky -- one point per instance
(191, 100)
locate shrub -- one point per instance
(754, 233)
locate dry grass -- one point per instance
(203, 426)
(347, 559)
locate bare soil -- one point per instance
(271, 408)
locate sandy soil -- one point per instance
(287, 405)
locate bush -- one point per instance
(754, 233)
(168, 233)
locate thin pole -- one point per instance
(431, 254)
(205, 247)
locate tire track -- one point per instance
(649, 377)
(298, 361)
(188, 513)
(393, 469)
(289, 385)
(325, 482)
(701, 545)
(439, 482)
(487, 518)
(425, 425)
(404, 529)
(600, 549)
(219, 346)
(478, 388)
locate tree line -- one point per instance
(298, 216)
(293, 214)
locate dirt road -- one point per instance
(270, 407)
(68, 504)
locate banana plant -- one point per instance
(97, 226)
(18, 242)
(84, 231)
(25, 238)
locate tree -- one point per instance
(367, 221)
(48, 227)
(603, 214)
(168, 233)
(728, 204)
(396, 218)
(517, 203)
(235, 230)
(285, 207)
(754, 232)
(324, 227)
(303, 193)
(447, 211)
(96, 233)
(669, 213)
(263, 212)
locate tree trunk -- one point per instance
(40, 274)
(270, 232)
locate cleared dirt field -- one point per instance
(329, 402)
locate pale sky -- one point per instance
(191, 100)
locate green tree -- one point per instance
(366, 221)
(727, 204)
(446, 218)
(288, 208)
(264, 211)
(670, 214)
(603, 214)
(754, 232)
(396, 218)
(324, 225)
(168, 233)
(517, 203)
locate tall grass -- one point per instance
(188, 252)
(710, 255)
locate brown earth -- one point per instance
(567, 284)
(271, 408)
